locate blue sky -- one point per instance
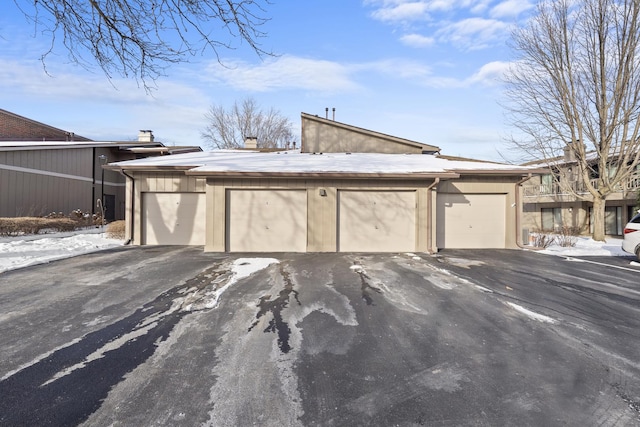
(422, 70)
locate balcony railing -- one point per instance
(555, 189)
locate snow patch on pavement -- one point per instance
(463, 262)
(532, 314)
(241, 268)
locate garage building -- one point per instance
(347, 190)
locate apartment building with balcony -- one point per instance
(560, 199)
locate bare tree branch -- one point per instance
(229, 128)
(576, 87)
(140, 38)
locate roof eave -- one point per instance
(322, 175)
(154, 168)
(510, 172)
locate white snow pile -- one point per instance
(24, 251)
(586, 246)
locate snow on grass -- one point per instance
(24, 251)
(586, 246)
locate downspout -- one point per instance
(93, 181)
(133, 198)
(430, 216)
(519, 242)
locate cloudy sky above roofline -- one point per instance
(427, 71)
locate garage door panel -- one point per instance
(377, 221)
(267, 220)
(173, 218)
(471, 221)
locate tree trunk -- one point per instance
(598, 218)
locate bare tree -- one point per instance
(229, 128)
(575, 89)
(140, 38)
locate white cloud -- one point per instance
(96, 109)
(401, 11)
(473, 33)
(467, 24)
(480, 6)
(396, 68)
(489, 74)
(30, 78)
(510, 8)
(332, 77)
(417, 40)
(286, 72)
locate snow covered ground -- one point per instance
(586, 246)
(19, 252)
(23, 251)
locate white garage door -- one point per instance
(471, 220)
(377, 221)
(267, 220)
(173, 218)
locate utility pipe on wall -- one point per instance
(430, 188)
(130, 238)
(519, 242)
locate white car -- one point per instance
(631, 240)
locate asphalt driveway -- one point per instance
(134, 336)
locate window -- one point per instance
(633, 214)
(612, 220)
(551, 219)
(547, 184)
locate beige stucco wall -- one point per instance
(325, 136)
(322, 211)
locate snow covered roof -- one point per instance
(219, 163)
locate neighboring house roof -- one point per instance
(53, 145)
(368, 134)
(14, 127)
(137, 147)
(295, 163)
